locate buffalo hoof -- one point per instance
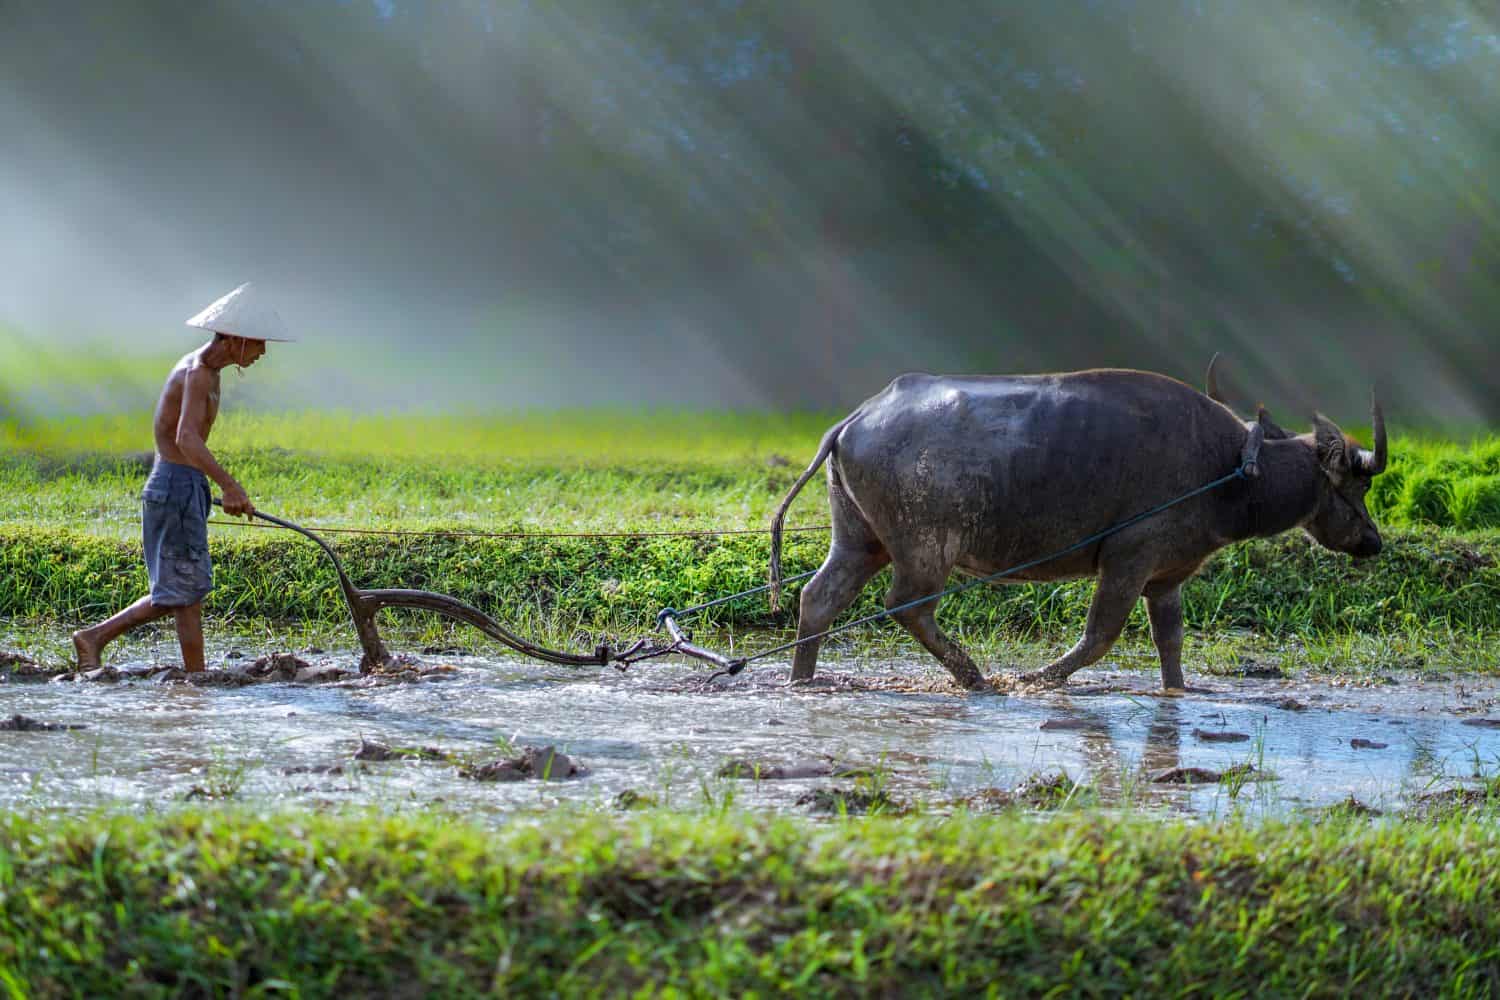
(967, 675)
(1042, 679)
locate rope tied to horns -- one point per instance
(1249, 468)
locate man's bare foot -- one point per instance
(86, 649)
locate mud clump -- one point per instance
(759, 770)
(1251, 669)
(544, 763)
(277, 666)
(1073, 723)
(1220, 736)
(320, 674)
(200, 678)
(988, 800)
(632, 799)
(20, 665)
(850, 802)
(1199, 775)
(1482, 723)
(200, 792)
(273, 668)
(370, 750)
(403, 668)
(1360, 743)
(1048, 791)
(19, 723)
(1353, 807)
(1449, 801)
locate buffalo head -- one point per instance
(1340, 520)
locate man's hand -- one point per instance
(237, 502)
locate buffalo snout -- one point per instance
(1369, 545)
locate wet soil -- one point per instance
(273, 668)
(290, 727)
(19, 723)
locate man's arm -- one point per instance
(196, 386)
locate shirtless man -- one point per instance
(175, 501)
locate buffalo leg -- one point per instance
(854, 555)
(834, 587)
(1113, 599)
(1164, 605)
(921, 621)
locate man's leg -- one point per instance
(190, 636)
(89, 642)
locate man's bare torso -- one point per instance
(190, 375)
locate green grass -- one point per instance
(571, 469)
(208, 902)
(595, 471)
(607, 437)
(69, 541)
(1441, 483)
(1283, 587)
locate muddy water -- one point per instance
(658, 732)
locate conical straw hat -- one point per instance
(243, 313)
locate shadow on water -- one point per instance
(659, 731)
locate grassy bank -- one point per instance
(234, 903)
(1424, 580)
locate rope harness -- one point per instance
(1247, 469)
(364, 603)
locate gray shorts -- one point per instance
(174, 529)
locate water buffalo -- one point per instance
(981, 473)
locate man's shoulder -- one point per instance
(191, 375)
(192, 368)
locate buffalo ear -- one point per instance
(1274, 431)
(1333, 451)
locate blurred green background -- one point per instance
(730, 203)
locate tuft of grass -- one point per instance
(1438, 482)
(225, 901)
(1476, 502)
(1428, 498)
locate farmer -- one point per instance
(175, 500)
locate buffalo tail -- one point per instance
(825, 448)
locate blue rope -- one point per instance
(737, 665)
(665, 613)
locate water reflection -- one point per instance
(661, 732)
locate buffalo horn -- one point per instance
(1372, 463)
(1211, 381)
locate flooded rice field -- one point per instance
(472, 735)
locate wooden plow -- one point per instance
(365, 604)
